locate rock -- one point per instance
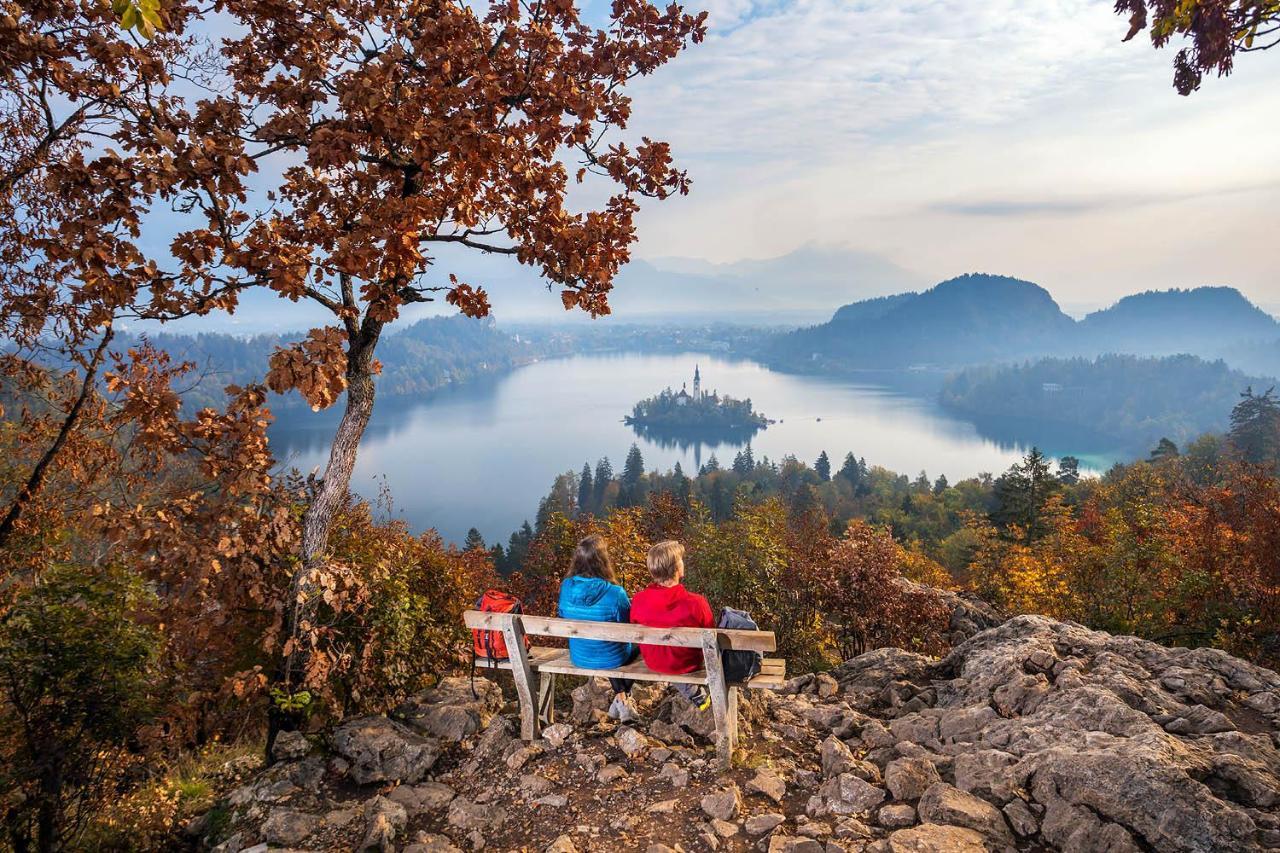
(381, 750)
(289, 827)
(662, 807)
(630, 741)
(931, 838)
(946, 804)
(591, 700)
(1021, 818)
(449, 711)
(676, 775)
(562, 844)
(826, 685)
(522, 756)
(423, 797)
(836, 757)
(670, 733)
(533, 785)
(290, 746)
(909, 778)
(852, 828)
(896, 816)
(557, 734)
(762, 823)
(768, 784)
(786, 844)
(723, 804)
(552, 801)
(849, 795)
(384, 820)
(610, 773)
(427, 842)
(724, 828)
(988, 773)
(467, 815)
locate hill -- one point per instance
(967, 320)
(1132, 400)
(1204, 320)
(1031, 735)
(977, 319)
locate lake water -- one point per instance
(482, 455)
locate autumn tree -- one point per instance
(1217, 31)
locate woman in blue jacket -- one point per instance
(591, 593)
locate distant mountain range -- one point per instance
(979, 319)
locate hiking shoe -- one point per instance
(614, 712)
(703, 702)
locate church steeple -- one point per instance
(697, 383)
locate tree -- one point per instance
(1164, 450)
(1021, 494)
(78, 676)
(474, 541)
(408, 129)
(823, 467)
(586, 489)
(1218, 30)
(632, 476)
(604, 476)
(1069, 470)
(1255, 427)
(744, 462)
(940, 485)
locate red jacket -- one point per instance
(658, 606)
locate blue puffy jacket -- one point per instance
(596, 600)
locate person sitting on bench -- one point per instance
(665, 603)
(591, 593)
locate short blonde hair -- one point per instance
(665, 560)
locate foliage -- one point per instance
(1217, 29)
(78, 678)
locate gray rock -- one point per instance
(423, 797)
(987, 773)
(762, 823)
(290, 746)
(670, 733)
(931, 838)
(909, 778)
(381, 750)
(467, 815)
(384, 820)
(630, 741)
(449, 711)
(610, 773)
(946, 804)
(849, 795)
(289, 827)
(676, 775)
(836, 757)
(557, 734)
(768, 784)
(562, 844)
(723, 804)
(428, 842)
(787, 844)
(896, 816)
(1021, 818)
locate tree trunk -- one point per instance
(36, 479)
(317, 522)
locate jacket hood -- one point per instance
(668, 597)
(584, 592)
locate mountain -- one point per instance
(976, 319)
(1204, 320)
(972, 319)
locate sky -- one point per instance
(1021, 137)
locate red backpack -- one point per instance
(492, 644)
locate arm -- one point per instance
(624, 606)
(707, 619)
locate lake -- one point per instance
(483, 454)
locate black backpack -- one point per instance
(739, 666)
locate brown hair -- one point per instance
(591, 559)
(665, 559)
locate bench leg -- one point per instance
(724, 702)
(546, 698)
(522, 672)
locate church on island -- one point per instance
(682, 410)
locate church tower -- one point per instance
(697, 384)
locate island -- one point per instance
(674, 415)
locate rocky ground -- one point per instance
(1033, 735)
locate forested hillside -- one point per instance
(1132, 400)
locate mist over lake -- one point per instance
(483, 454)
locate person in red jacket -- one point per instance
(665, 603)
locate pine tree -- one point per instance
(1255, 427)
(632, 476)
(518, 547)
(1164, 450)
(850, 470)
(710, 466)
(940, 485)
(1021, 494)
(683, 487)
(586, 490)
(474, 541)
(744, 463)
(1069, 470)
(604, 476)
(823, 467)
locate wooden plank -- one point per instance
(766, 682)
(691, 638)
(719, 700)
(546, 698)
(513, 631)
(545, 659)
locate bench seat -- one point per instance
(772, 675)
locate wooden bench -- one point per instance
(536, 699)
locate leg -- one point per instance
(719, 700)
(621, 685)
(513, 632)
(546, 698)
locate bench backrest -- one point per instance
(622, 632)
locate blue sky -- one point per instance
(1013, 136)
